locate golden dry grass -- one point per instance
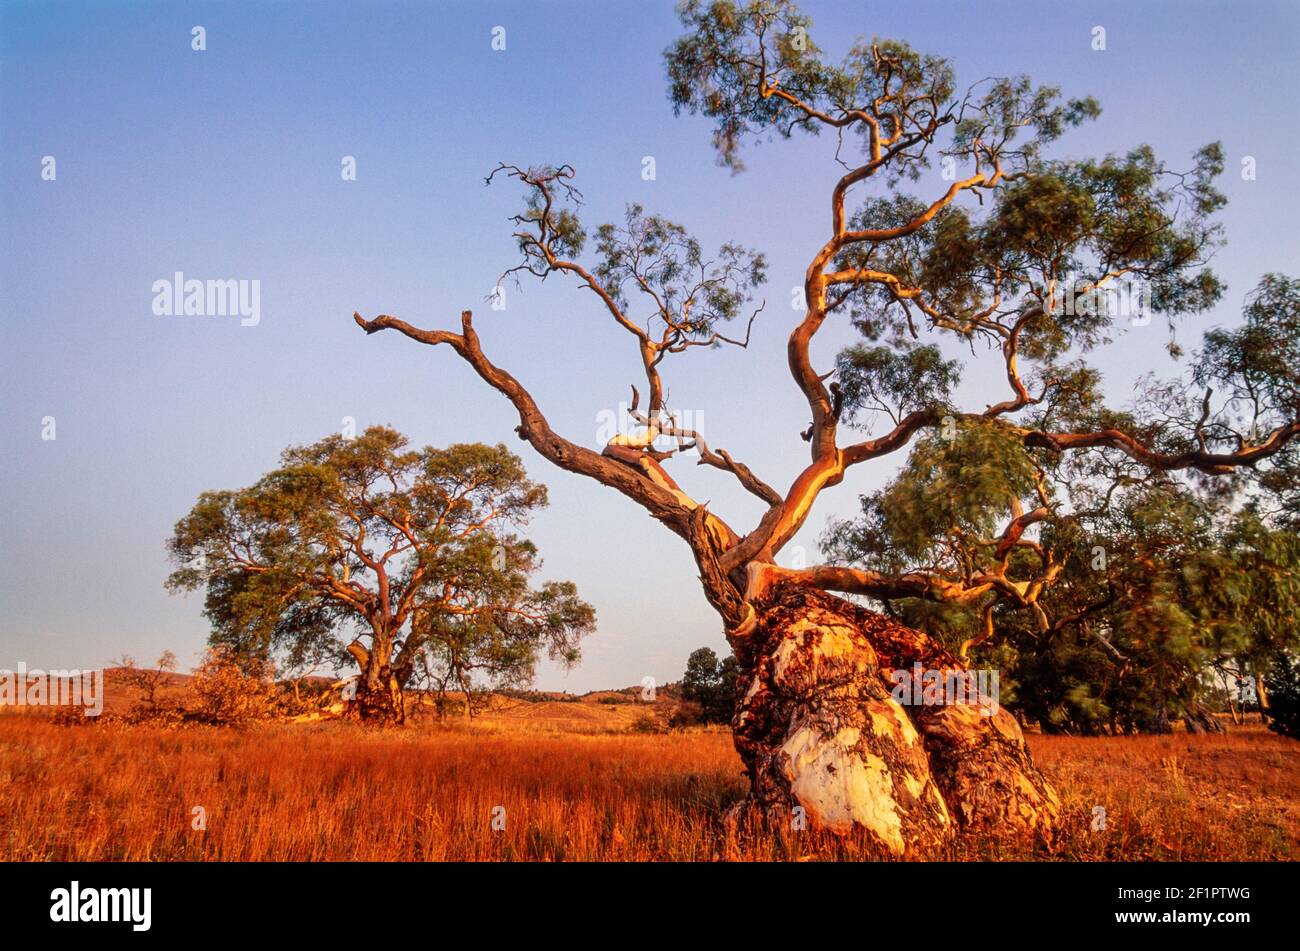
(337, 791)
(587, 716)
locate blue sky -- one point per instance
(225, 163)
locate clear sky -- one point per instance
(225, 164)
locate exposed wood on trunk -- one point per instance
(818, 728)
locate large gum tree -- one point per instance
(985, 260)
(407, 562)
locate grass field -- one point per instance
(337, 791)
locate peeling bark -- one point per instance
(379, 699)
(818, 727)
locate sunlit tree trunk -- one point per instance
(379, 696)
(380, 699)
(818, 729)
(1261, 692)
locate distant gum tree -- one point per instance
(984, 259)
(394, 557)
(711, 684)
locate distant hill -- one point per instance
(597, 711)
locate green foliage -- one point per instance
(1060, 227)
(712, 70)
(657, 257)
(1283, 685)
(949, 486)
(1256, 366)
(1259, 362)
(563, 230)
(648, 258)
(1160, 587)
(894, 380)
(1004, 271)
(753, 68)
(410, 558)
(711, 684)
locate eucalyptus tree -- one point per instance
(1146, 591)
(985, 258)
(362, 548)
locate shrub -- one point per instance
(647, 723)
(688, 713)
(227, 690)
(1282, 684)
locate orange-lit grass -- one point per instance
(1177, 797)
(337, 791)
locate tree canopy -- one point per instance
(711, 683)
(410, 561)
(956, 224)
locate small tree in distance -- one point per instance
(711, 684)
(360, 548)
(147, 682)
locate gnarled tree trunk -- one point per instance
(379, 699)
(378, 695)
(818, 727)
